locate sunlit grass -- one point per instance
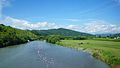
(107, 51)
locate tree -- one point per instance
(53, 39)
(11, 36)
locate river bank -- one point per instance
(103, 50)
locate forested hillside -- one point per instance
(11, 36)
(60, 31)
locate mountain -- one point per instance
(11, 36)
(60, 31)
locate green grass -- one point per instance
(107, 51)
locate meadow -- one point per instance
(107, 51)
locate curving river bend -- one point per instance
(39, 54)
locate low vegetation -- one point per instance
(107, 51)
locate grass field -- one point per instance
(107, 51)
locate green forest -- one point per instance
(60, 31)
(12, 36)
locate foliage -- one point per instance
(53, 38)
(106, 39)
(79, 38)
(109, 36)
(11, 36)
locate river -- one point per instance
(39, 54)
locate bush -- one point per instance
(53, 39)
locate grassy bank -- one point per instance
(107, 51)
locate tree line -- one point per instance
(11, 36)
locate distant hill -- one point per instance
(11, 36)
(109, 35)
(116, 35)
(104, 35)
(60, 31)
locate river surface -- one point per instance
(39, 54)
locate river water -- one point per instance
(39, 54)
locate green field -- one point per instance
(107, 51)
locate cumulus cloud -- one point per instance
(72, 27)
(24, 24)
(96, 27)
(93, 26)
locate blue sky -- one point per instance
(73, 14)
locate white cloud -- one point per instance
(3, 3)
(1, 8)
(96, 27)
(72, 27)
(101, 27)
(92, 26)
(23, 24)
(74, 20)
